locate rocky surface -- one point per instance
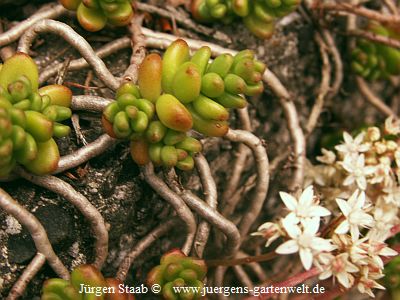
(112, 181)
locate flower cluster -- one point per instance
(86, 283)
(177, 93)
(93, 15)
(359, 186)
(178, 270)
(374, 61)
(259, 16)
(30, 117)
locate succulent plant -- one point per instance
(177, 93)
(259, 16)
(86, 283)
(93, 15)
(30, 117)
(376, 61)
(392, 277)
(178, 270)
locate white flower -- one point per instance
(270, 231)
(392, 195)
(353, 146)
(376, 250)
(327, 157)
(384, 220)
(357, 170)
(392, 126)
(340, 267)
(352, 210)
(381, 173)
(305, 208)
(367, 281)
(305, 242)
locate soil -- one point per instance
(112, 182)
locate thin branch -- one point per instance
(6, 51)
(261, 189)
(30, 271)
(211, 197)
(384, 40)
(241, 261)
(143, 244)
(208, 213)
(293, 122)
(175, 201)
(90, 212)
(49, 11)
(163, 40)
(238, 164)
(324, 87)
(81, 63)
(138, 41)
(373, 99)
(90, 103)
(185, 21)
(392, 6)
(360, 11)
(338, 78)
(73, 38)
(36, 230)
(82, 155)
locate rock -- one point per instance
(59, 227)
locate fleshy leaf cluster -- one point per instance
(259, 16)
(178, 270)
(93, 15)
(30, 117)
(373, 60)
(89, 277)
(178, 93)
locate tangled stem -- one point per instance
(49, 11)
(175, 201)
(143, 244)
(30, 271)
(90, 212)
(36, 230)
(210, 192)
(261, 189)
(81, 63)
(75, 40)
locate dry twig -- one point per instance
(30, 271)
(175, 201)
(38, 233)
(75, 40)
(143, 244)
(90, 212)
(48, 11)
(210, 192)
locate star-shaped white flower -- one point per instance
(327, 157)
(305, 242)
(392, 126)
(392, 194)
(367, 281)
(353, 146)
(340, 267)
(355, 166)
(305, 208)
(356, 217)
(270, 231)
